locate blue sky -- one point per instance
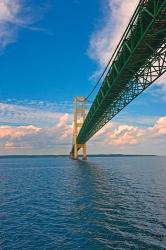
(50, 52)
(51, 64)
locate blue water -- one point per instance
(104, 203)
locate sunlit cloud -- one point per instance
(32, 139)
(117, 135)
(125, 134)
(159, 129)
(120, 134)
(25, 139)
(17, 132)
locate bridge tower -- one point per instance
(79, 117)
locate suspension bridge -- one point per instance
(138, 61)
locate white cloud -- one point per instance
(9, 20)
(16, 14)
(104, 41)
(9, 10)
(39, 113)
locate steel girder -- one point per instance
(135, 87)
(138, 61)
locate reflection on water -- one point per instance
(103, 203)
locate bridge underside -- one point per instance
(140, 59)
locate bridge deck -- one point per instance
(138, 61)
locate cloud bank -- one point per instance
(118, 137)
(32, 139)
(121, 134)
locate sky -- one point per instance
(53, 50)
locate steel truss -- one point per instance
(139, 60)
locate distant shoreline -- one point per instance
(55, 156)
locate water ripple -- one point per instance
(105, 203)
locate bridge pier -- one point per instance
(76, 149)
(84, 156)
(79, 117)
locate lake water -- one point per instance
(104, 203)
